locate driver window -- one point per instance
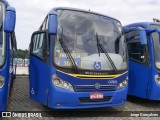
(136, 50)
(39, 45)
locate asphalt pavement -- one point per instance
(19, 101)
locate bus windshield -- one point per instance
(156, 42)
(82, 32)
(2, 41)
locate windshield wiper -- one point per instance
(101, 49)
(68, 54)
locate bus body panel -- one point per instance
(148, 88)
(39, 77)
(45, 93)
(4, 91)
(87, 81)
(7, 70)
(154, 89)
(138, 75)
(61, 99)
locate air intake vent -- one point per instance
(87, 99)
(92, 88)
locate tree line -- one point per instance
(24, 54)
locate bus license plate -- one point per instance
(94, 96)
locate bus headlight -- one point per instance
(123, 84)
(157, 79)
(1, 81)
(61, 83)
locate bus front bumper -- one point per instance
(63, 99)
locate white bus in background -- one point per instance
(14, 61)
(20, 62)
(26, 62)
(22, 66)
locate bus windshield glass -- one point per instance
(156, 42)
(2, 40)
(83, 33)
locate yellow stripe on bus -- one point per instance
(82, 76)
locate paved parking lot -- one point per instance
(21, 70)
(19, 101)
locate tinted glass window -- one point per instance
(39, 45)
(2, 34)
(156, 43)
(136, 50)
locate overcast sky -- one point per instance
(31, 13)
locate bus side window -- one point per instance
(14, 44)
(11, 49)
(136, 50)
(156, 42)
(39, 45)
(11, 42)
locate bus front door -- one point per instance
(138, 67)
(39, 68)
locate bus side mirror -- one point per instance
(10, 20)
(52, 23)
(143, 37)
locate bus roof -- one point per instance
(81, 10)
(145, 25)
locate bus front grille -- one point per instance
(92, 88)
(87, 99)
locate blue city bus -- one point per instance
(143, 41)
(78, 60)
(8, 49)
